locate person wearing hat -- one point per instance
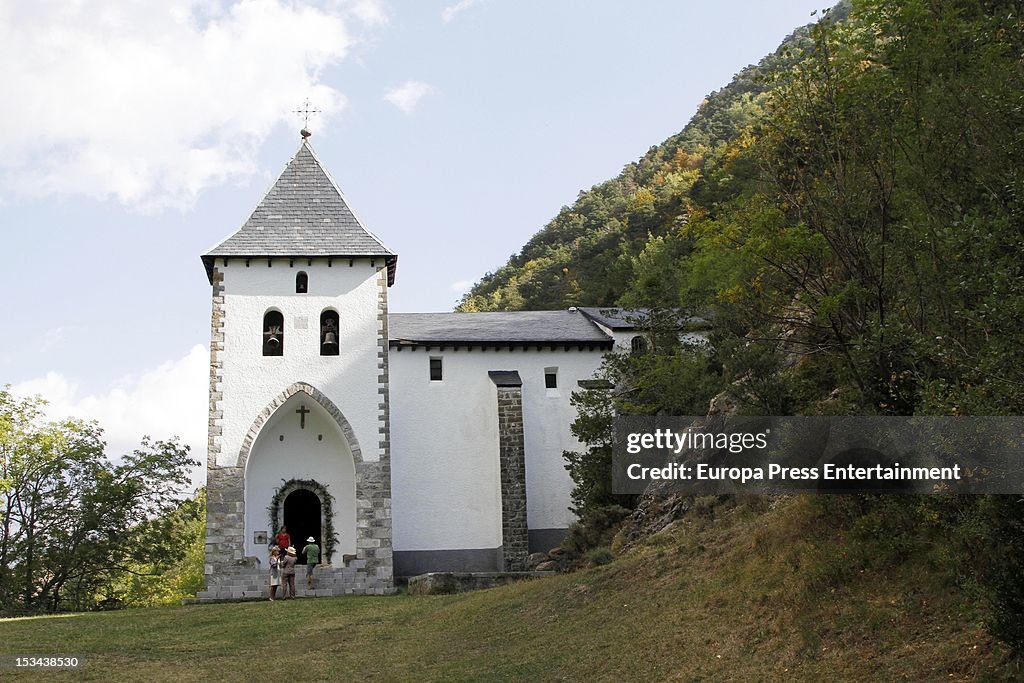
(312, 553)
(288, 574)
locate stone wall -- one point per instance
(445, 583)
(515, 542)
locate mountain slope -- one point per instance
(586, 254)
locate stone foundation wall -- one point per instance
(444, 583)
(249, 580)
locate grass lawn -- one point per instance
(725, 597)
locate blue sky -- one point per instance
(135, 135)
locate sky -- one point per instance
(135, 135)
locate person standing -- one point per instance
(312, 553)
(282, 540)
(288, 573)
(275, 572)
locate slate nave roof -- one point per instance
(515, 327)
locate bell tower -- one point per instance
(299, 421)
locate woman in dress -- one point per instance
(275, 572)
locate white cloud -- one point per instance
(370, 12)
(170, 400)
(408, 95)
(150, 103)
(451, 11)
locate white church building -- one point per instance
(402, 442)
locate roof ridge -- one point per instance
(337, 188)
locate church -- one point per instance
(403, 443)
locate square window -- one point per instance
(435, 370)
(550, 379)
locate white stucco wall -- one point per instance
(444, 444)
(251, 381)
(301, 454)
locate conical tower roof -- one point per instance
(304, 214)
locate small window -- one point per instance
(329, 333)
(273, 333)
(435, 370)
(638, 345)
(551, 378)
(301, 282)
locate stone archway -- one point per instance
(233, 558)
(282, 398)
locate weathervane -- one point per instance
(306, 112)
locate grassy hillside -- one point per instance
(731, 592)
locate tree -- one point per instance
(73, 520)
(178, 574)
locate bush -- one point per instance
(996, 560)
(598, 556)
(594, 531)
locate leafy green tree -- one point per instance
(74, 520)
(670, 378)
(177, 574)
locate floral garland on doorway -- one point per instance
(326, 500)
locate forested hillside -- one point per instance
(849, 214)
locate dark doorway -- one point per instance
(302, 517)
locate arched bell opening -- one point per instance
(329, 343)
(273, 333)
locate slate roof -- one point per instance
(514, 327)
(614, 318)
(303, 214)
(506, 378)
(629, 318)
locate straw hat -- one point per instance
(310, 540)
(291, 550)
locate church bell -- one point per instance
(273, 337)
(330, 341)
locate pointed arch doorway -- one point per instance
(303, 515)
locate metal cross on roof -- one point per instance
(306, 112)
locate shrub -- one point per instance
(594, 531)
(598, 556)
